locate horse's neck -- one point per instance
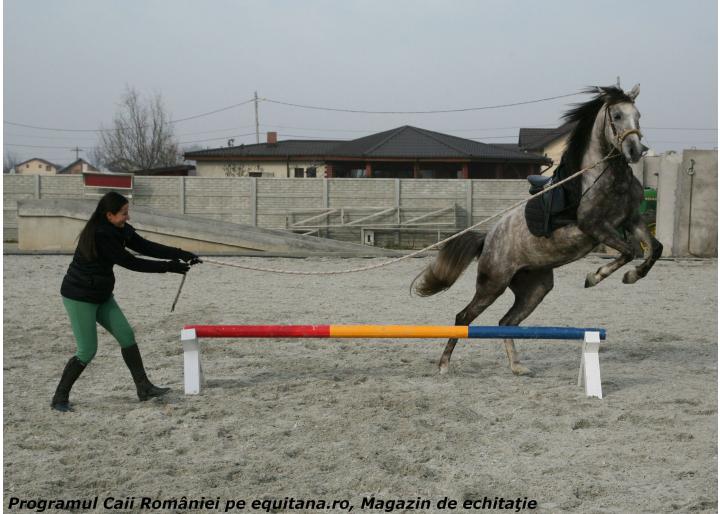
(595, 154)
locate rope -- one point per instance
(418, 252)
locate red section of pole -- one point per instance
(260, 330)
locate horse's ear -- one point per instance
(634, 92)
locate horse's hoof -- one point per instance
(591, 280)
(443, 367)
(630, 277)
(520, 370)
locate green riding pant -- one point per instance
(85, 316)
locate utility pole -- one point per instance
(77, 152)
(257, 121)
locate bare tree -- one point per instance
(141, 136)
(10, 160)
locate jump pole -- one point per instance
(589, 374)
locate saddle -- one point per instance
(555, 208)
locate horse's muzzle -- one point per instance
(633, 149)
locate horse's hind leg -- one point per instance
(485, 295)
(529, 287)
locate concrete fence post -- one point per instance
(326, 205)
(398, 186)
(468, 203)
(181, 190)
(668, 180)
(253, 201)
(398, 192)
(37, 187)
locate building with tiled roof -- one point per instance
(550, 143)
(403, 152)
(36, 166)
(77, 167)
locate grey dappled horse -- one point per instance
(606, 137)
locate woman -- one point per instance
(88, 285)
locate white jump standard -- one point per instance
(589, 374)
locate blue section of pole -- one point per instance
(478, 332)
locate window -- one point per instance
(312, 172)
(299, 172)
(27, 165)
(255, 173)
(47, 168)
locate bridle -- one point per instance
(612, 153)
(619, 137)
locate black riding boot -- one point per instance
(61, 398)
(145, 389)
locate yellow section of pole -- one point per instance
(399, 331)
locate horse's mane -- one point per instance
(583, 115)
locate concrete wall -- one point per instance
(687, 203)
(686, 214)
(276, 203)
(27, 187)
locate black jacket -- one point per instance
(93, 280)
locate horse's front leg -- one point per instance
(652, 250)
(606, 234)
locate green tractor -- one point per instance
(648, 208)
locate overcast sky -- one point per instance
(67, 63)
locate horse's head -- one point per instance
(622, 122)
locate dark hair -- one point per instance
(111, 202)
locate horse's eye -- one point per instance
(617, 116)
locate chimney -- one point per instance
(272, 138)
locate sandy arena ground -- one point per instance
(343, 420)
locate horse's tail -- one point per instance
(452, 260)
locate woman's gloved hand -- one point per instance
(190, 257)
(175, 266)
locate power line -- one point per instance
(33, 136)
(75, 138)
(438, 111)
(215, 138)
(37, 146)
(120, 129)
(215, 131)
(180, 142)
(256, 99)
(213, 112)
(529, 125)
(373, 131)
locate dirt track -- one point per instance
(313, 419)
